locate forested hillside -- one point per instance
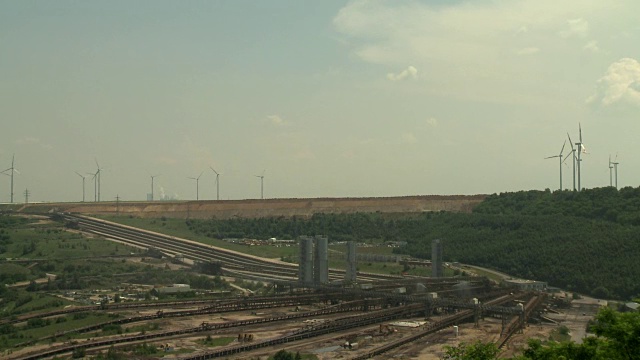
(587, 242)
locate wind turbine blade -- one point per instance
(562, 150)
(200, 175)
(16, 171)
(616, 158)
(566, 157)
(580, 128)
(570, 142)
(551, 157)
(214, 170)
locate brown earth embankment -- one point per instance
(255, 208)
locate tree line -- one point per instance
(586, 241)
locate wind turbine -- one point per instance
(95, 185)
(559, 161)
(580, 147)
(615, 167)
(573, 152)
(261, 183)
(217, 183)
(83, 177)
(98, 176)
(610, 172)
(13, 170)
(197, 184)
(153, 177)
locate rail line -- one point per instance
(432, 328)
(338, 325)
(145, 305)
(348, 323)
(346, 307)
(230, 260)
(517, 322)
(218, 307)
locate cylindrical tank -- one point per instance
(305, 267)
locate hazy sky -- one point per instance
(332, 98)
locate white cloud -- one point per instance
(275, 120)
(433, 122)
(409, 72)
(409, 138)
(29, 140)
(575, 27)
(464, 47)
(620, 84)
(591, 46)
(528, 51)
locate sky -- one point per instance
(324, 98)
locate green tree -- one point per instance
(283, 355)
(475, 351)
(621, 331)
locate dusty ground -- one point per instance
(256, 208)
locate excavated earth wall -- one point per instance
(226, 209)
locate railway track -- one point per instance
(354, 322)
(231, 305)
(204, 327)
(432, 328)
(518, 322)
(112, 307)
(231, 261)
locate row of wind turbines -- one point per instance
(580, 149)
(96, 178)
(96, 183)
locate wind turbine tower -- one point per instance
(261, 184)
(580, 147)
(217, 183)
(98, 176)
(573, 153)
(95, 185)
(559, 161)
(153, 177)
(12, 170)
(83, 177)
(615, 169)
(197, 179)
(610, 172)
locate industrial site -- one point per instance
(319, 180)
(307, 308)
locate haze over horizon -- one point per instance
(332, 98)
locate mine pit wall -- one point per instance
(226, 209)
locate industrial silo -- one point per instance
(305, 266)
(352, 263)
(321, 260)
(437, 270)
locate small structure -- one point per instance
(526, 285)
(631, 306)
(173, 289)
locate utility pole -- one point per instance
(117, 204)
(26, 196)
